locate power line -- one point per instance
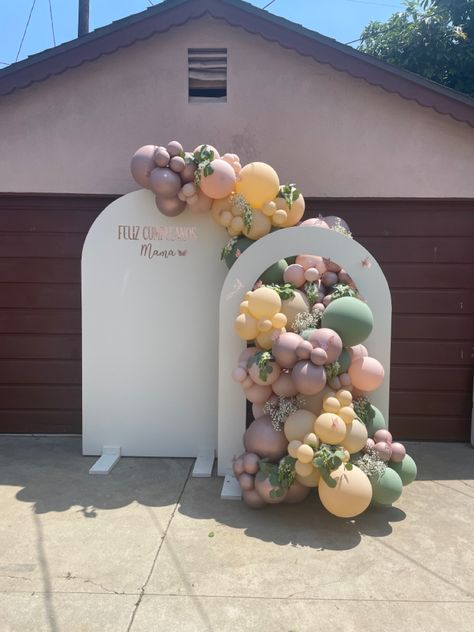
(267, 5)
(24, 32)
(52, 22)
(5, 63)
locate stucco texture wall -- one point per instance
(330, 133)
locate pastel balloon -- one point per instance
(264, 302)
(162, 156)
(261, 226)
(312, 480)
(253, 499)
(375, 421)
(299, 424)
(284, 349)
(305, 453)
(238, 466)
(383, 435)
(406, 469)
(358, 351)
(245, 355)
(308, 378)
(258, 183)
(246, 481)
(304, 469)
(209, 148)
(270, 377)
(264, 489)
(239, 374)
(284, 386)
(202, 203)
(171, 207)
(384, 450)
(296, 493)
(329, 341)
(350, 317)
(314, 403)
(257, 410)
(304, 350)
(331, 265)
(293, 306)
(293, 214)
(246, 327)
(356, 437)
(294, 274)
(275, 273)
(369, 445)
(315, 221)
(311, 275)
(387, 488)
(220, 183)
(398, 452)
(164, 182)
(262, 439)
(251, 462)
(311, 261)
(142, 164)
(177, 164)
(351, 495)
(258, 394)
(330, 428)
(329, 278)
(187, 174)
(366, 373)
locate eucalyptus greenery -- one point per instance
(289, 193)
(261, 359)
(284, 291)
(281, 476)
(363, 409)
(327, 459)
(342, 289)
(282, 409)
(312, 292)
(239, 202)
(203, 158)
(227, 250)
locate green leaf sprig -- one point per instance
(327, 459)
(289, 193)
(281, 476)
(284, 291)
(342, 289)
(262, 359)
(363, 409)
(227, 250)
(312, 292)
(203, 158)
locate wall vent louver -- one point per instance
(207, 74)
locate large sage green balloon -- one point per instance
(406, 469)
(351, 318)
(387, 488)
(274, 274)
(344, 361)
(241, 244)
(375, 421)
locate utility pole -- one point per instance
(83, 19)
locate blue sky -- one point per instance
(340, 19)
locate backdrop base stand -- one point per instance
(110, 456)
(231, 488)
(204, 464)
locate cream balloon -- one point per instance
(351, 495)
(299, 424)
(356, 436)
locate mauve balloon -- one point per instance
(251, 463)
(169, 206)
(187, 174)
(246, 482)
(398, 452)
(262, 439)
(308, 378)
(384, 450)
(284, 386)
(142, 164)
(258, 394)
(165, 182)
(238, 465)
(296, 493)
(263, 487)
(252, 499)
(284, 349)
(328, 340)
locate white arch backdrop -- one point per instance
(370, 282)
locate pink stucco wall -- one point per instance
(330, 133)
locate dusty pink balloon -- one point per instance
(251, 463)
(369, 445)
(258, 394)
(326, 300)
(329, 278)
(246, 482)
(264, 489)
(335, 383)
(261, 438)
(169, 206)
(239, 374)
(328, 340)
(164, 182)
(384, 450)
(270, 377)
(304, 349)
(284, 349)
(314, 221)
(247, 383)
(312, 275)
(221, 182)
(162, 157)
(187, 174)
(296, 493)
(257, 410)
(294, 274)
(344, 277)
(398, 452)
(201, 204)
(238, 465)
(177, 164)
(284, 386)
(143, 162)
(311, 261)
(345, 379)
(319, 357)
(358, 351)
(366, 373)
(253, 499)
(309, 379)
(245, 355)
(383, 435)
(174, 148)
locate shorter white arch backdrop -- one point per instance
(346, 252)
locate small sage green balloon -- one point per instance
(307, 333)
(351, 318)
(274, 274)
(375, 421)
(387, 488)
(344, 361)
(406, 469)
(241, 244)
(290, 260)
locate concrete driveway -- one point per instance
(149, 548)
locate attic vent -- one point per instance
(207, 74)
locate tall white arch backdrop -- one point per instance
(349, 254)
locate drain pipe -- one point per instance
(83, 18)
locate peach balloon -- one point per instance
(299, 424)
(314, 221)
(262, 439)
(351, 495)
(296, 493)
(366, 373)
(294, 274)
(311, 261)
(330, 428)
(261, 226)
(253, 499)
(310, 481)
(258, 394)
(356, 437)
(358, 351)
(220, 183)
(271, 376)
(258, 183)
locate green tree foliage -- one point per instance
(434, 38)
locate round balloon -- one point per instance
(356, 437)
(238, 247)
(264, 489)
(164, 182)
(366, 373)
(275, 273)
(406, 469)
(299, 424)
(330, 428)
(351, 495)
(350, 317)
(329, 341)
(143, 163)
(293, 214)
(308, 378)
(284, 386)
(375, 421)
(171, 207)
(258, 183)
(220, 182)
(253, 499)
(260, 226)
(284, 349)
(262, 439)
(296, 493)
(264, 303)
(386, 488)
(293, 306)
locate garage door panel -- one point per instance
(42, 396)
(438, 328)
(447, 378)
(41, 421)
(420, 249)
(40, 295)
(40, 371)
(38, 321)
(46, 221)
(427, 276)
(44, 346)
(423, 301)
(430, 402)
(429, 428)
(52, 246)
(33, 270)
(432, 353)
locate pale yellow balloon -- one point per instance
(226, 218)
(293, 447)
(330, 428)
(351, 495)
(237, 224)
(303, 469)
(299, 424)
(279, 217)
(314, 403)
(305, 453)
(294, 214)
(246, 327)
(258, 183)
(347, 414)
(309, 481)
(264, 325)
(261, 226)
(265, 339)
(219, 206)
(312, 440)
(331, 404)
(232, 232)
(269, 208)
(291, 307)
(264, 303)
(356, 436)
(279, 321)
(344, 396)
(244, 307)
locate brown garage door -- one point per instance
(425, 249)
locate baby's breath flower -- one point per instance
(280, 411)
(371, 464)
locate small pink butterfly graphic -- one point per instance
(366, 263)
(182, 253)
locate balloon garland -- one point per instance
(305, 369)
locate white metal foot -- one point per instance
(110, 456)
(204, 464)
(231, 488)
